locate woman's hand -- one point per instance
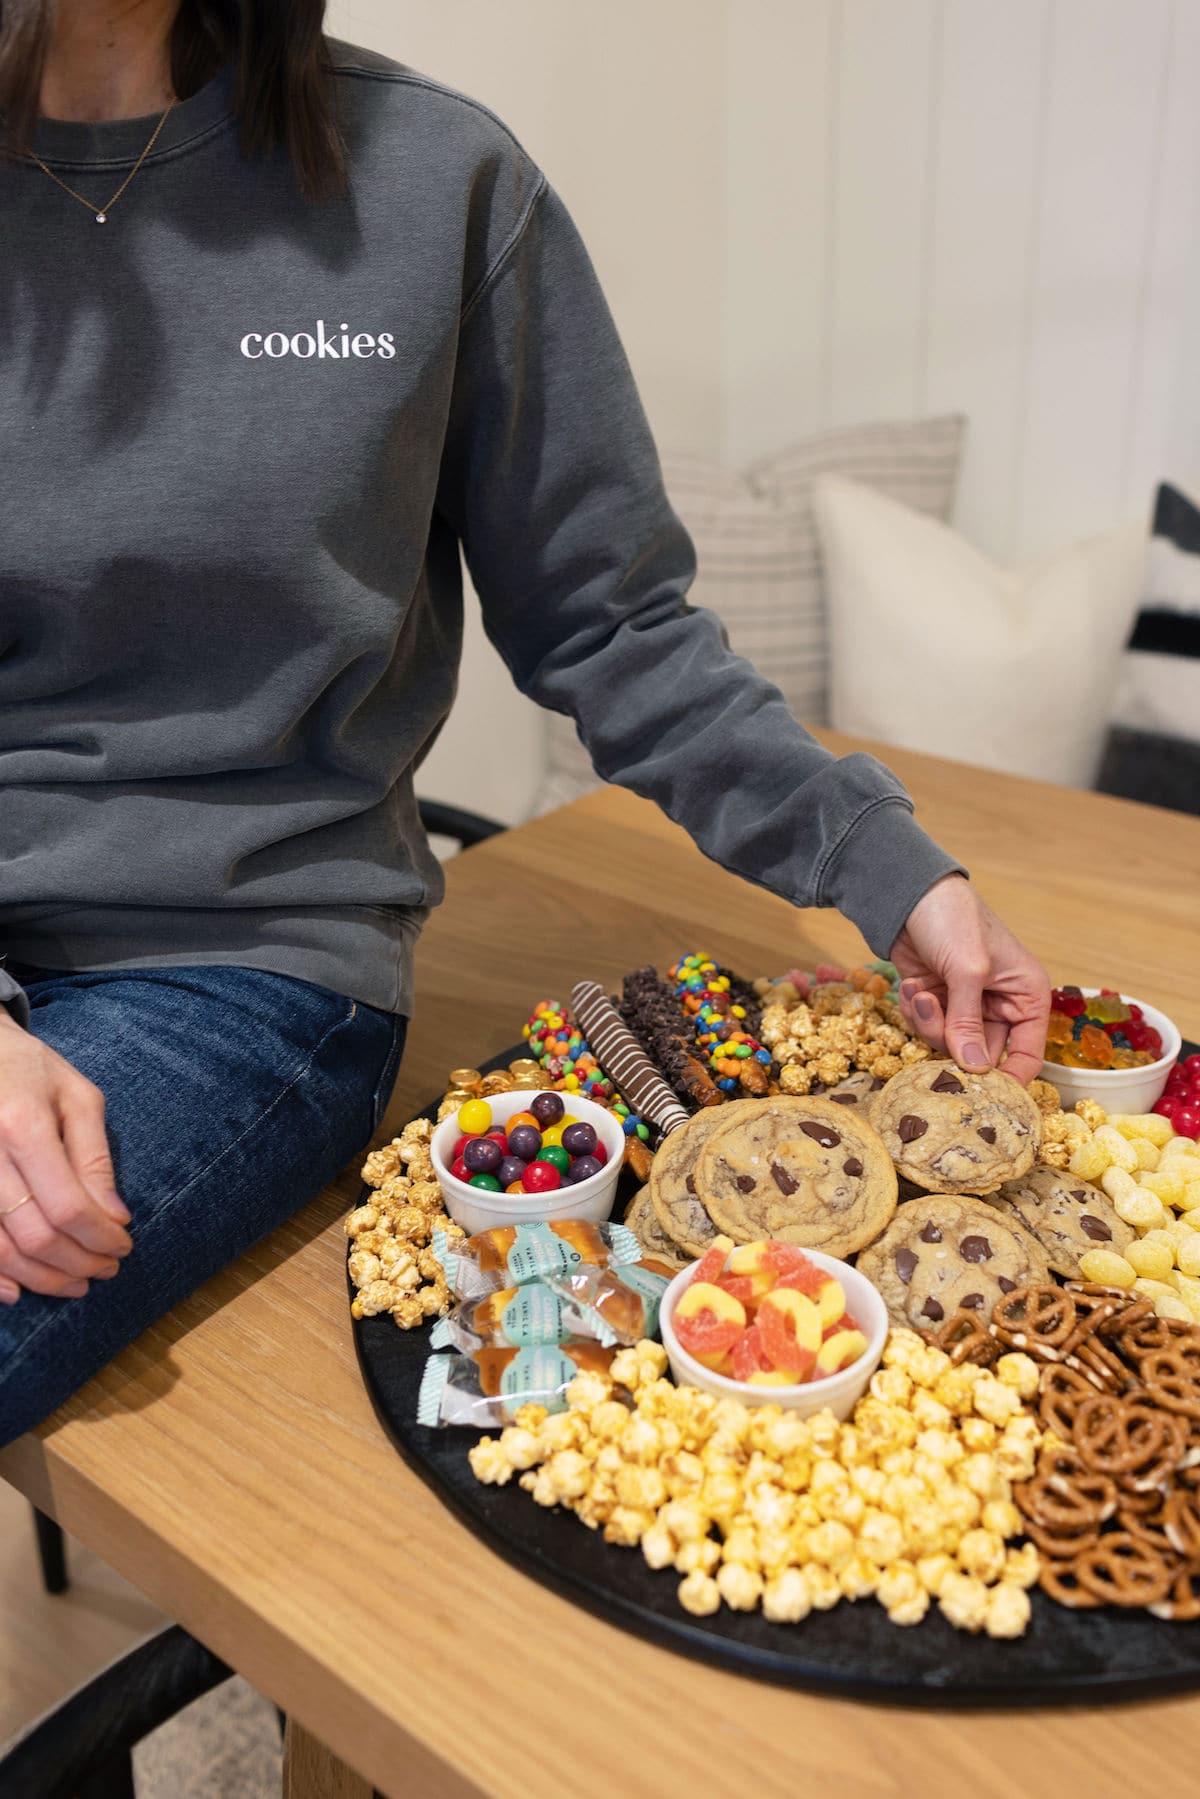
(968, 986)
(53, 1146)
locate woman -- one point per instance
(283, 325)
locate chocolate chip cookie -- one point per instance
(1066, 1215)
(953, 1132)
(642, 1220)
(945, 1251)
(803, 1170)
(672, 1184)
(855, 1090)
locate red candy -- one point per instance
(541, 1177)
(459, 1170)
(1187, 1120)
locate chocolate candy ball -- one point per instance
(579, 1139)
(547, 1108)
(482, 1155)
(487, 1181)
(558, 1156)
(525, 1142)
(582, 1169)
(511, 1169)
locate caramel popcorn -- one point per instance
(909, 1500)
(817, 1042)
(391, 1264)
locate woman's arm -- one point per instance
(552, 482)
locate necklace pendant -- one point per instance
(101, 218)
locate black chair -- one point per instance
(83, 1750)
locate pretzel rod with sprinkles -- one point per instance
(625, 1059)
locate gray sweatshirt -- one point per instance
(243, 438)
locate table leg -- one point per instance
(311, 1771)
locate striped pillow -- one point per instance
(1153, 751)
(759, 563)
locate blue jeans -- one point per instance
(233, 1096)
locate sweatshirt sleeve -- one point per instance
(13, 996)
(551, 480)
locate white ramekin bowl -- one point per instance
(1120, 1089)
(478, 1210)
(839, 1392)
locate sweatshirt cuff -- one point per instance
(881, 868)
(15, 998)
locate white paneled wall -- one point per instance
(992, 207)
(811, 212)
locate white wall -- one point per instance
(810, 212)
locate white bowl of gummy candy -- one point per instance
(481, 1208)
(1120, 1090)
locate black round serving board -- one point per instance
(852, 1651)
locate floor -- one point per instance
(226, 1746)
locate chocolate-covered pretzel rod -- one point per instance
(625, 1059)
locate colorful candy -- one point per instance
(767, 1315)
(703, 992)
(524, 1158)
(1103, 1031)
(563, 1055)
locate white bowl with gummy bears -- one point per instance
(1120, 1089)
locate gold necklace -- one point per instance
(101, 214)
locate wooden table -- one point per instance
(230, 1464)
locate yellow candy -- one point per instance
(1089, 1161)
(1169, 1305)
(1108, 1268)
(1189, 1292)
(552, 1138)
(1155, 1290)
(1153, 1261)
(1151, 1125)
(1145, 1151)
(1143, 1210)
(474, 1117)
(1118, 1152)
(1188, 1255)
(1191, 1197)
(1118, 1183)
(1169, 1186)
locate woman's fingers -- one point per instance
(64, 1208)
(85, 1141)
(38, 1277)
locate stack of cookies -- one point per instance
(928, 1177)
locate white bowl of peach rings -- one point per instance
(770, 1324)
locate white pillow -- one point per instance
(935, 648)
(758, 562)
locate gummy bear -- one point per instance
(1073, 1057)
(1108, 1007)
(1096, 1046)
(1059, 1028)
(1068, 1000)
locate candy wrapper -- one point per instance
(613, 1305)
(512, 1254)
(489, 1387)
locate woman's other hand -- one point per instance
(968, 986)
(53, 1146)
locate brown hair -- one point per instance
(280, 65)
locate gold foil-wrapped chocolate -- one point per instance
(468, 1078)
(496, 1083)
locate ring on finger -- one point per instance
(7, 1211)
